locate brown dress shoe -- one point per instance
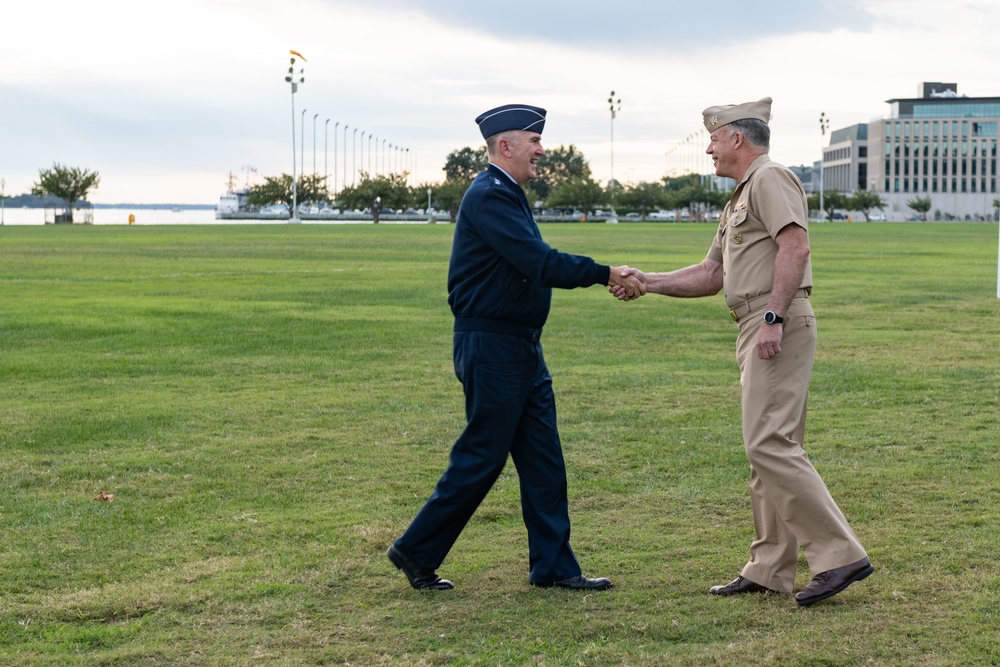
(740, 585)
(827, 584)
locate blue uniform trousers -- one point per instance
(510, 409)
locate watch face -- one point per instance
(769, 317)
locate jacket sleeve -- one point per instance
(516, 238)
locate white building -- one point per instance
(940, 146)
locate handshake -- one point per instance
(626, 283)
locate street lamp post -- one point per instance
(315, 116)
(370, 154)
(354, 155)
(824, 123)
(362, 160)
(290, 78)
(346, 127)
(335, 127)
(302, 142)
(613, 218)
(326, 145)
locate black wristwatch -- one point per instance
(770, 317)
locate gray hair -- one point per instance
(756, 132)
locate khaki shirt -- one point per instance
(768, 198)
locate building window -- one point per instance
(935, 129)
(984, 129)
(933, 185)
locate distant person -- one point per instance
(500, 282)
(760, 258)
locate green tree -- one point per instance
(278, 190)
(832, 200)
(445, 196)
(865, 201)
(463, 164)
(583, 193)
(920, 205)
(643, 197)
(70, 184)
(558, 166)
(390, 190)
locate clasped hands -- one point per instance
(626, 283)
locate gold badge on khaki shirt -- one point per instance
(741, 207)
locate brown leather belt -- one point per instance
(741, 310)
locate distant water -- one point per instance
(168, 216)
(119, 216)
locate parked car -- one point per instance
(663, 215)
(877, 217)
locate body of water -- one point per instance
(169, 216)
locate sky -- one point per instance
(168, 98)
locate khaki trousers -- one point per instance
(791, 504)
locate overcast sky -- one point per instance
(166, 97)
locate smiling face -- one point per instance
(722, 147)
(520, 150)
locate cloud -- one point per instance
(636, 25)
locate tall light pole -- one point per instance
(335, 126)
(384, 169)
(315, 116)
(291, 78)
(370, 153)
(362, 160)
(326, 145)
(346, 127)
(354, 155)
(613, 218)
(302, 143)
(824, 123)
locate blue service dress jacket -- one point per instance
(501, 269)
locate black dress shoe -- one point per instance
(578, 583)
(421, 578)
(829, 583)
(740, 585)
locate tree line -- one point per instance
(564, 182)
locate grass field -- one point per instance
(270, 405)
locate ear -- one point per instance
(738, 139)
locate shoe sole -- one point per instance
(863, 574)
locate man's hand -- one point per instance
(626, 283)
(769, 340)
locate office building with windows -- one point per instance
(940, 145)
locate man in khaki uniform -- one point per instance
(760, 257)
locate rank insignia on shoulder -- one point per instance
(742, 204)
(497, 181)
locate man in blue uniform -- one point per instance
(500, 284)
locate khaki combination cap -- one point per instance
(716, 117)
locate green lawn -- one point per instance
(271, 404)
